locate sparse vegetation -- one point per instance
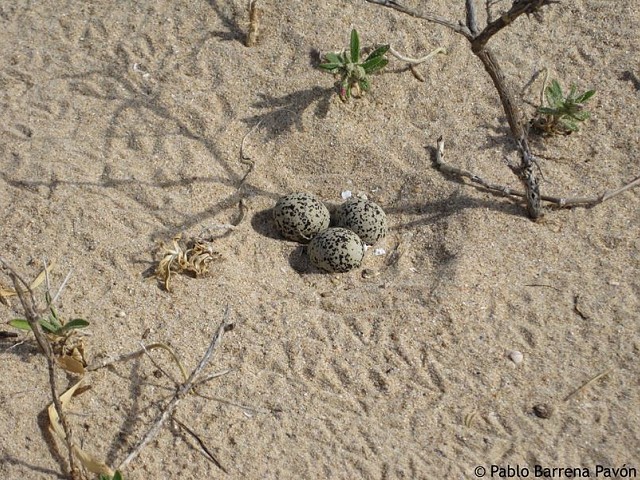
(68, 351)
(116, 476)
(53, 325)
(354, 74)
(193, 258)
(562, 114)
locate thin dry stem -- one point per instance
(424, 15)
(181, 392)
(254, 24)
(416, 61)
(472, 19)
(562, 202)
(585, 385)
(32, 315)
(203, 446)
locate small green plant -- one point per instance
(562, 114)
(354, 74)
(116, 476)
(68, 350)
(53, 325)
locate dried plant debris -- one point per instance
(191, 257)
(68, 349)
(10, 292)
(254, 24)
(90, 462)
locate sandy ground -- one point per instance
(121, 126)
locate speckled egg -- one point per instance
(300, 216)
(336, 250)
(364, 217)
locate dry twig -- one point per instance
(181, 392)
(478, 40)
(204, 448)
(254, 23)
(591, 381)
(562, 202)
(33, 315)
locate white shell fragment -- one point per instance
(364, 217)
(516, 357)
(336, 250)
(300, 216)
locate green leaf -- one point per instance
(378, 52)
(374, 64)
(116, 476)
(364, 84)
(20, 323)
(547, 111)
(74, 324)
(330, 67)
(53, 313)
(581, 116)
(348, 91)
(569, 124)
(333, 58)
(49, 327)
(54, 320)
(585, 96)
(554, 94)
(355, 46)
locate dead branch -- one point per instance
(430, 17)
(203, 446)
(478, 40)
(33, 315)
(562, 202)
(181, 392)
(416, 61)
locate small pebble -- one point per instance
(346, 194)
(369, 273)
(379, 251)
(121, 314)
(516, 357)
(542, 410)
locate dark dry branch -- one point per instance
(430, 17)
(203, 446)
(181, 392)
(479, 47)
(472, 21)
(518, 7)
(33, 315)
(561, 202)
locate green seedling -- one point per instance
(116, 476)
(68, 350)
(562, 114)
(53, 324)
(354, 74)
